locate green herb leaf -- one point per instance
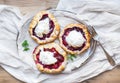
(71, 57)
(26, 49)
(25, 45)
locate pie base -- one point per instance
(87, 35)
(35, 21)
(60, 51)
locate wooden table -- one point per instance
(27, 6)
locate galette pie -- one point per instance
(50, 58)
(75, 38)
(44, 27)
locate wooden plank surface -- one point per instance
(27, 6)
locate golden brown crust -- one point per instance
(60, 50)
(87, 35)
(34, 22)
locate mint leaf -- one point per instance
(26, 49)
(71, 57)
(25, 45)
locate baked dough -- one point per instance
(82, 29)
(61, 58)
(53, 26)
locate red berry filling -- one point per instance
(66, 32)
(57, 55)
(51, 25)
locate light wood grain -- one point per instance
(112, 76)
(1, 1)
(27, 6)
(7, 78)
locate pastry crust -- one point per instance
(60, 51)
(87, 35)
(35, 21)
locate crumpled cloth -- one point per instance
(104, 15)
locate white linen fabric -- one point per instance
(104, 15)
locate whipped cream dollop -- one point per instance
(47, 57)
(42, 27)
(75, 38)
